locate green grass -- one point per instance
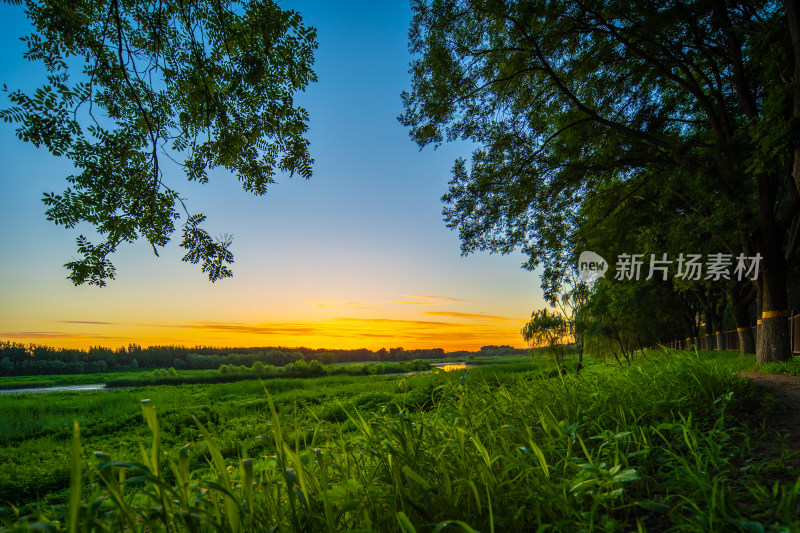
(26, 384)
(662, 445)
(57, 380)
(787, 368)
(35, 430)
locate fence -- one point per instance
(730, 339)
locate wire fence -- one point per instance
(730, 339)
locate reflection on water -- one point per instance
(450, 367)
(43, 390)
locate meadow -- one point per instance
(674, 442)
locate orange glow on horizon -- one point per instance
(469, 333)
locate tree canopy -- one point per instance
(577, 105)
(133, 86)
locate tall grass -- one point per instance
(21, 384)
(659, 446)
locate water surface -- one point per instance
(44, 390)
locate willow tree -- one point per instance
(549, 329)
(564, 98)
(134, 83)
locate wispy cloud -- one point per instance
(440, 299)
(475, 316)
(426, 299)
(53, 335)
(273, 328)
(393, 321)
(344, 331)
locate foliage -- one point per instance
(659, 446)
(566, 291)
(18, 359)
(131, 84)
(26, 384)
(35, 429)
(578, 108)
(548, 328)
(418, 365)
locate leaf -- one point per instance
(627, 475)
(653, 506)
(210, 105)
(405, 523)
(75, 480)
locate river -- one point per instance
(44, 390)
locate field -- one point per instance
(675, 442)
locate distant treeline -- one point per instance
(29, 359)
(299, 369)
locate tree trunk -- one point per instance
(695, 325)
(641, 348)
(719, 316)
(793, 18)
(740, 304)
(759, 301)
(622, 346)
(687, 339)
(773, 336)
(711, 326)
(579, 347)
(720, 340)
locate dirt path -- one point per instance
(786, 390)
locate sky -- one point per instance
(358, 256)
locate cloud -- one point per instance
(437, 298)
(424, 299)
(340, 332)
(274, 328)
(352, 327)
(53, 335)
(476, 316)
(395, 321)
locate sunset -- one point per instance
(355, 257)
(406, 266)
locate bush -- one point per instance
(315, 368)
(418, 365)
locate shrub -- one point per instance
(315, 368)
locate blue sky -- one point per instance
(357, 256)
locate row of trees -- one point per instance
(314, 368)
(624, 127)
(21, 359)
